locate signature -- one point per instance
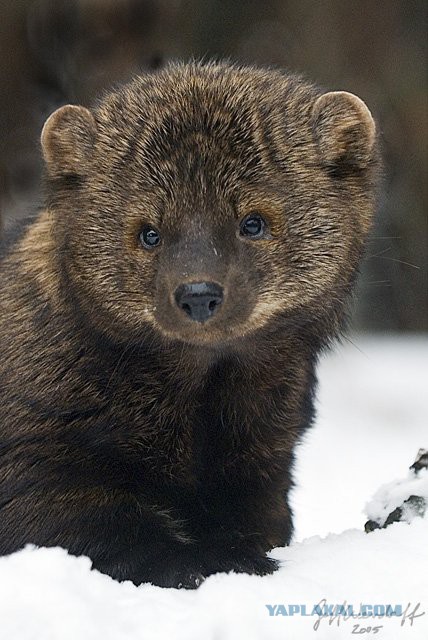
(408, 616)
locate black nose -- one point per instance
(200, 300)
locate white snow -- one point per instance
(394, 494)
(372, 421)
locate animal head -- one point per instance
(210, 201)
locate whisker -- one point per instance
(356, 346)
(408, 264)
(379, 283)
(377, 255)
(384, 238)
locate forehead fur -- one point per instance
(249, 116)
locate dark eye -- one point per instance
(149, 237)
(253, 226)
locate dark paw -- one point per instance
(251, 563)
(188, 570)
(181, 569)
(178, 578)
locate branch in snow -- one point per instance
(401, 500)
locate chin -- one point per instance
(207, 336)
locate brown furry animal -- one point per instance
(160, 321)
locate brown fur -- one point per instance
(159, 446)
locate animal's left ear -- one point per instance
(344, 130)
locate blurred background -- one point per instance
(58, 51)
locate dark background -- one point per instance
(58, 51)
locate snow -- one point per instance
(372, 419)
(394, 494)
(49, 595)
(373, 411)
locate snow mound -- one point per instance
(399, 494)
(50, 595)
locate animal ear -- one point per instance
(344, 130)
(67, 139)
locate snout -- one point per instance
(199, 300)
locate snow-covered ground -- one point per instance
(373, 418)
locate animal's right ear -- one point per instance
(68, 137)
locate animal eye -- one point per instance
(253, 226)
(150, 237)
